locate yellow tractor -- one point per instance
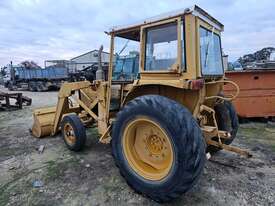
(162, 108)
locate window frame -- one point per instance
(208, 28)
(179, 61)
(183, 39)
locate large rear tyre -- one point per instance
(158, 147)
(227, 120)
(73, 132)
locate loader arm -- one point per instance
(47, 120)
(63, 104)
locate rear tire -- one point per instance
(187, 144)
(227, 120)
(73, 132)
(32, 86)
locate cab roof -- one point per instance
(132, 31)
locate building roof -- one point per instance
(89, 52)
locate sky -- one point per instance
(62, 29)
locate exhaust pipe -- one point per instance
(99, 73)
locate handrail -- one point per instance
(232, 97)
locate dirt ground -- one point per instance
(90, 177)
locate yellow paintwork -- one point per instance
(43, 121)
(147, 148)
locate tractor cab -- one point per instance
(177, 50)
(185, 44)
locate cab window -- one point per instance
(161, 47)
(126, 59)
(210, 53)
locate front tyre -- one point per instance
(158, 147)
(73, 132)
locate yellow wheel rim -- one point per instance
(69, 134)
(148, 149)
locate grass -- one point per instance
(55, 170)
(22, 182)
(258, 133)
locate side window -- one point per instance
(210, 53)
(161, 47)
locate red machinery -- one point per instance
(257, 92)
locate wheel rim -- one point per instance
(69, 134)
(148, 149)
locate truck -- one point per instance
(35, 79)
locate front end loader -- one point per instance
(162, 118)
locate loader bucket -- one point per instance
(43, 121)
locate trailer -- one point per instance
(11, 101)
(37, 79)
(257, 92)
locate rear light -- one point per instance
(196, 84)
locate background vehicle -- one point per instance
(162, 120)
(48, 78)
(36, 79)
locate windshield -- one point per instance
(126, 68)
(210, 52)
(126, 59)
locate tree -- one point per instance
(261, 55)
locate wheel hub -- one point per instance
(69, 134)
(148, 149)
(154, 144)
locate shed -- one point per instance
(87, 59)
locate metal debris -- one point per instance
(37, 184)
(41, 149)
(208, 155)
(11, 168)
(9, 101)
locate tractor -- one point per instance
(163, 120)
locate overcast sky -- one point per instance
(61, 29)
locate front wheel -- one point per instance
(158, 147)
(73, 132)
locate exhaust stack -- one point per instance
(99, 72)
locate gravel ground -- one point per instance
(91, 178)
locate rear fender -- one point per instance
(186, 97)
